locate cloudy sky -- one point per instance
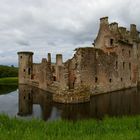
(57, 26)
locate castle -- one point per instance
(111, 64)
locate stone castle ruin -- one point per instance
(111, 64)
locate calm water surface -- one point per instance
(27, 102)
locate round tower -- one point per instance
(25, 62)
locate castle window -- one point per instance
(130, 66)
(129, 53)
(24, 70)
(116, 64)
(21, 57)
(29, 71)
(111, 42)
(130, 77)
(121, 79)
(110, 80)
(123, 65)
(96, 79)
(122, 51)
(54, 78)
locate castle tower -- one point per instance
(104, 31)
(133, 31)
(104, 22)
(59, 63)
(25, 61)
(49, 58)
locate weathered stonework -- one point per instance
(110, 65)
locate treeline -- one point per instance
(8, 71)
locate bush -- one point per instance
(7, 71)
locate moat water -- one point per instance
(28, 102)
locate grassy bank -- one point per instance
(126, 128)
(9, 81)
(8, 71)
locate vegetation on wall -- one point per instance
(8, 71)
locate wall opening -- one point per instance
(110, 80)
(54, 78)
(129, 53)
(111, 41)
(121, 79)
(29, 71)
(21, 57)
(116, 64)
(123, 65)
(129, 66)
(24, 70)
(96, 79)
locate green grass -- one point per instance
(9, 81)
(126, 128)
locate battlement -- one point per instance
(44, 60)
(133, 28)
(122, 30)
(113, 26)
(104, 21)
(24, 52)
(114, 33)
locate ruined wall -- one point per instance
(103, 71)
(138, 55)
(64, 77)
(127, 65)
(36, 71)
(98, 70)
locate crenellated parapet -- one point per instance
(112, 32)
(104, 21)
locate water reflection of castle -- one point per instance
(119, 103)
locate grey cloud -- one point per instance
(56, 26)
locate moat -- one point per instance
(27, 102)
